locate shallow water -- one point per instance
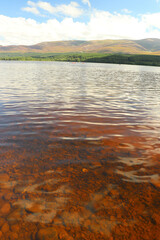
(79, 151)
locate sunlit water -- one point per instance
(79, 151)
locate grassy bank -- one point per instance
(149, 60)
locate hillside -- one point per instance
(144, 46)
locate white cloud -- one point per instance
(101, 25)
(106, 25)
(125, 10)
(46, 6)
(32, 4)
(86, 2)
(151, 20)
(73, 9)
(33, 10)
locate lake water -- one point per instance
(79, 151)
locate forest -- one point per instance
(149, 60)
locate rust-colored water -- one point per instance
(79, 151)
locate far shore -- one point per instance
(132, 59)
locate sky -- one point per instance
(29, 22)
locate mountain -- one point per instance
(144, 46)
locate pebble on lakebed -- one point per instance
(5, 209)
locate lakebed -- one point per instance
(79, 151)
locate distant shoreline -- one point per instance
(132, 59)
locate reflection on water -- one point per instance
(79, 151)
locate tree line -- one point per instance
(136, 59)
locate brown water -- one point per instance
(79, 151)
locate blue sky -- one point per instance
(30, 22)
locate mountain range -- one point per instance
(144, 46)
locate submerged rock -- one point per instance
(4, 177)
(64, 235)
(5, 209)
(2, 221)
(36, 208)
(15, 228)
(47, 234)
(13, 235)
(5, 228)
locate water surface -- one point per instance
(79, 151)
